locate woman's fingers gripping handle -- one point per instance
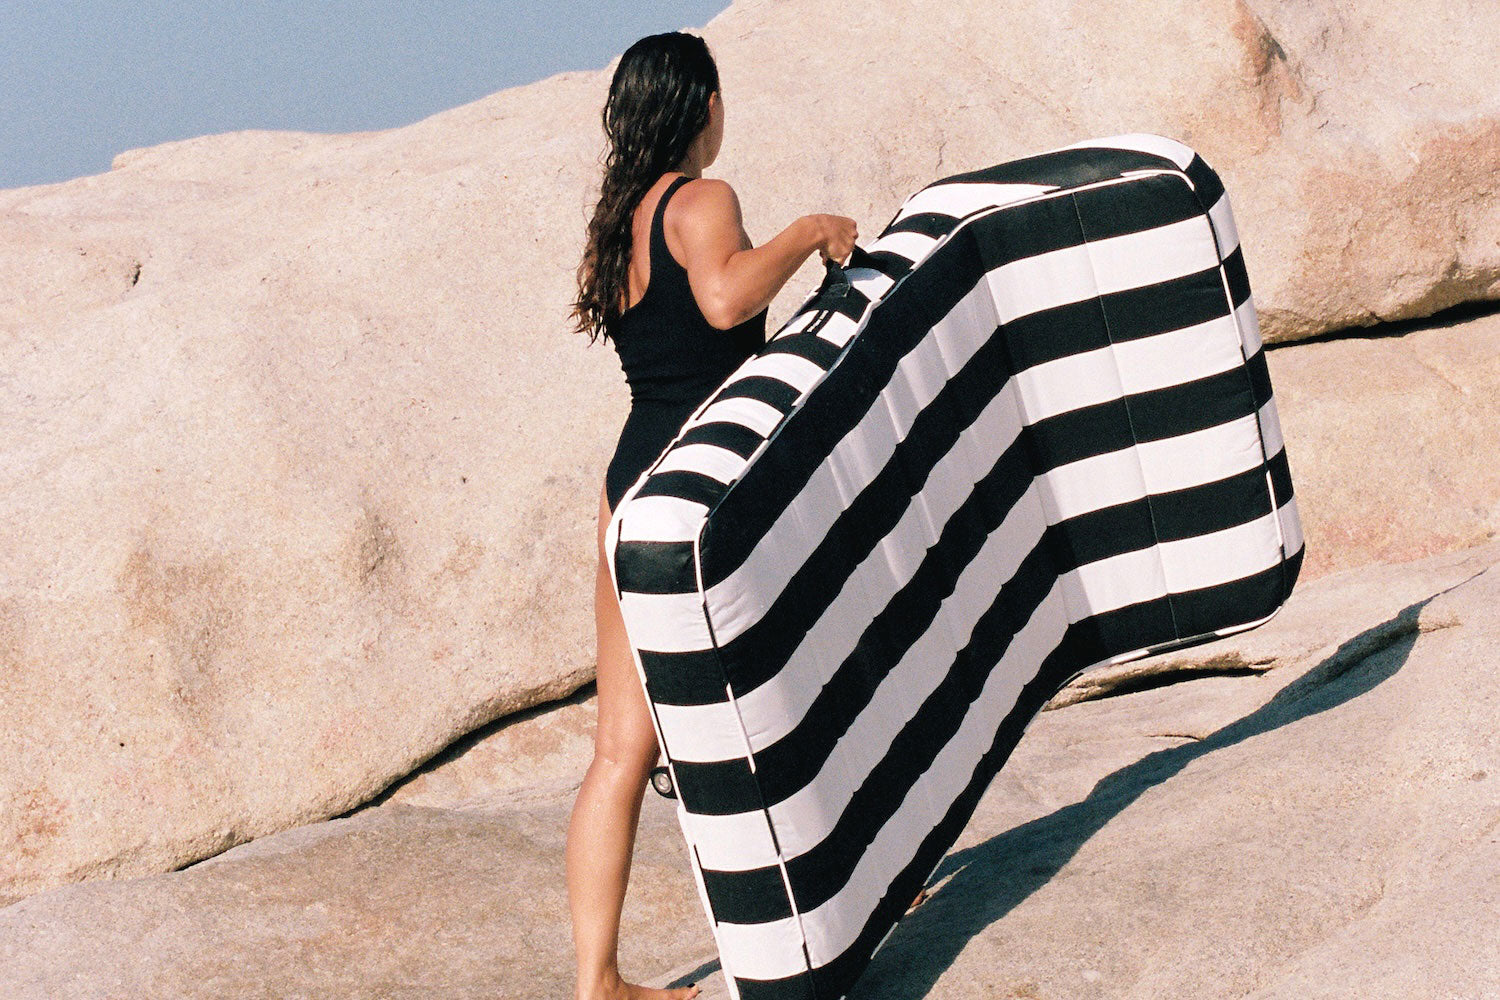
(836, 236)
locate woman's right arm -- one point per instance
(731, 280)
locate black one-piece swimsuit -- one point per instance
(672, 358)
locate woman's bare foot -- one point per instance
(619, 989)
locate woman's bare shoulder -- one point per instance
(704, 203)
(707, 189)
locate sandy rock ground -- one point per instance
(1326, 825)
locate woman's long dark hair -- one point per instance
(657, 106)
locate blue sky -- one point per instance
(81, 80)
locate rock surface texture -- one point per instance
(299, 463)
(1325, 824)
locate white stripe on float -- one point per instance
(761, 418)
(1129, 367)
(839, 329)
(1249, 325)
(665, 623)
(870, 283)
(797, 372)
(1225, 231)
(761, 951)
(959, 199)
(912, 246)
(659, 519)
(1101, 267)
(1270, 427)
(1205, 456)
(799, 322)
(736, 842)
(709, 460)
(1174, 567)
(1291, 526)
(1220, 557)
(700, 733)
(1117, 477)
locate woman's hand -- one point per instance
(835, 236)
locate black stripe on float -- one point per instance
(1156, 201)
(1290, 570)
(718, 789)
(1134, 314)
(757, 896)
(1206, 183)
(724, 434)
(1060, 332)
(1281, 477)
(1201, 612)
(1119, 424)
(684, 485)
(1260, 376)
(1192, 406)
(1216, 506)
(1026, 230)
(813, 348)
(1063, 168)
(1194, 617)
(1161, 517)
(1132, 627)
(801, 986)
(1083, 433)
(771, 391)
(892, 265)
(683, 678)
(933, 224)
(1234, 273)
(655, 567)
(1099, 534)
(1164, 306)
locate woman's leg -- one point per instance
(601, 833)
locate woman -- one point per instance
(670, 277)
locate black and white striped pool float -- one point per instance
(1031, 434)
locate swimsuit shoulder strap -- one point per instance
(658, 231)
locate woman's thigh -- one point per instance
(624, 730)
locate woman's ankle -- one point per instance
(604, 985)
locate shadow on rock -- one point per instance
(992, 878)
